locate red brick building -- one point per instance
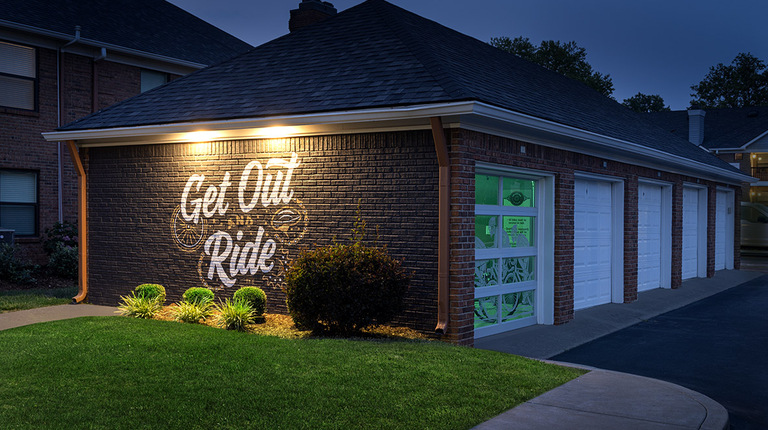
(62, 60)
(515, 195)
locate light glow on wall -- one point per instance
(276, 132)
(201, 136)
(201, 148)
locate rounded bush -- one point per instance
(344, 288)
(63, 261)
(254, 296)
(151, 291)
(197, 295)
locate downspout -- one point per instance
(82, 225)
(443, 236)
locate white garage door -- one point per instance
(690, 233)
(648, 237)
(723, 231)
(592, 243)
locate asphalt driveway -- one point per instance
(717, 346)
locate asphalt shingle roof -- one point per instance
(723, 128)
(379, 55)
(153, 26)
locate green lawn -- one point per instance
(16, 300)
(115, 372)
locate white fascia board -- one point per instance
(341, 122)
(743, 147)
(470, 115)
(571, 138)
(178, 65)
(762, 135)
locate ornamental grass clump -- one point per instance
(192, 312)
(140, 306)
(234, 315)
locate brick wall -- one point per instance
(473, 146)
(134, 191)
(23, 147)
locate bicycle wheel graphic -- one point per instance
(187, 235)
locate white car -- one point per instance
(754, 225)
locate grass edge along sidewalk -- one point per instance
(111, 372)
(17, 300)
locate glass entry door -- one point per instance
(506, 249)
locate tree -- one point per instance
(743, 83)
(568, 59)
(645, 103)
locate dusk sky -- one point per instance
(650, 46)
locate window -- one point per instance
(18, 76)
(506, 252)
(151, 79)
(18, 201)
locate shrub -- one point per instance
(234, 315)
(62, 233)
(253, 296)
(63, 261)
(151, 291)
(197, 295)
(192, 312)
(344, 288)
(140, 306)
(12, 268)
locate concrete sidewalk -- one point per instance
(53, 313)
(611, 400)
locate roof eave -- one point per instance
(185, 65)
(471, 115)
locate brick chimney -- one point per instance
(310, 12)
(696, 126)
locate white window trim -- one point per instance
(545, 244)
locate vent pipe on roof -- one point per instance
(696, 126)
(310, 12)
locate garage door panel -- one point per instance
(720, 229)
(593, 242)
(690, 233)
(649, 231)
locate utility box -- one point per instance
(6, 235)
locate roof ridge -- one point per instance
(422, 54)
(221, 33)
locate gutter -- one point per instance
(444, 213)
(470, 115)
(82, 225)
(98, 44)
